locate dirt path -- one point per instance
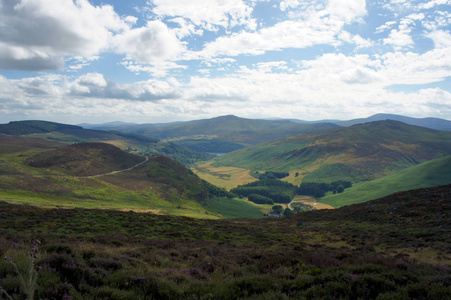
(115, 172)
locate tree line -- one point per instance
(270, 191)
(319, 189)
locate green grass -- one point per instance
(235, 208)
(363, 152)
(432, 173)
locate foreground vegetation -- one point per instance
(392, 248)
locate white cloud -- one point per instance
(347, 10)
(434, 3)
(159, 69)
(442, 39)
(287, 34)
(207, 14)
(37, 35)
(388, 25)
(289, 4)
(96, 86)
(267, 67)
(153, 43)
(355, 39)
(401, 38)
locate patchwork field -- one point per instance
(225, 177)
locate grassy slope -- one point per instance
(428, 174)
(361, 152)
(235, 208)
(130, 142)
(161, 185)
(392, 248)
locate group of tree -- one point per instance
(272, 175)
(319, 189)
(260, 199)
(276, 190)
(214, 190)
(279, 210)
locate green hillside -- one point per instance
(99, 175)
(356, 153)
(135, 143)
(428, 174)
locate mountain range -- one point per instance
(229, 133)
(319, 152)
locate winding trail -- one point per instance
(115, 172)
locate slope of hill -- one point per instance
(135, 143)
(85, 159)
(229, 129)
(428, 174)
(54, 174)
(393, 248)
(356, 153)
(431, 123)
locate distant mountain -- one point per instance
(105, 125)
(432, 123)
(226, 133)
(131, 142)
(360, 152)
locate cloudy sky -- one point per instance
(152, 61)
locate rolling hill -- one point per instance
(428, 174)
(100, 175)
(226, 132)
(431, 123)
(130, 142)
(357, 153)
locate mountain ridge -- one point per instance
(368, 151)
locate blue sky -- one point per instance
(152, 61)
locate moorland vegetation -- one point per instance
(393, 248)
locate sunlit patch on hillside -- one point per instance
(225, 177)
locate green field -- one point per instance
(235, 208)
(432, 173)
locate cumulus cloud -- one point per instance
(209, 14)
(401, 38)
(150, 44)
(37, 35)
(441, 38)
(96, 86)
(287, 34)
(315, 23)
(434, 3)
(347, 10)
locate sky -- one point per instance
(158, 61)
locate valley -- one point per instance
(114, 218)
